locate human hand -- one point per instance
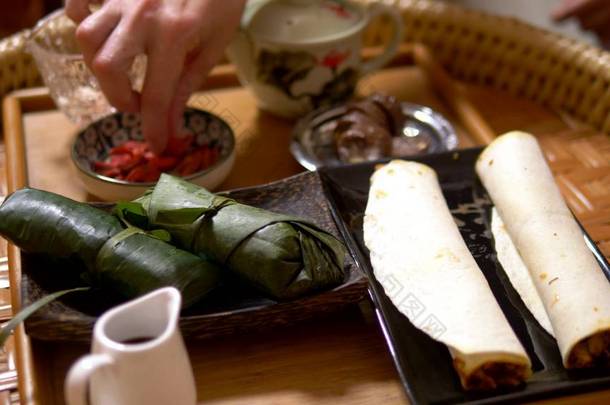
(183, 40)
(593, 15)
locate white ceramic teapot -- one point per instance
(296, 55)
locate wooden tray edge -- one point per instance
(14, 106)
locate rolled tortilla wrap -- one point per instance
(517, 272)
(573, 289)
(419, 257)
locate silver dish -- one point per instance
(427, 132)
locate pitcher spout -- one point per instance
(154, 316)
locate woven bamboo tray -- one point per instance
(448, 96)
(537, 67)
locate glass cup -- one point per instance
(71, 84)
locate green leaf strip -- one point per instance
(108, 247)
(22, 315)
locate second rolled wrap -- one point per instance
(570, 282)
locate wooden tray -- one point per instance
(226, 311)
(336, 359)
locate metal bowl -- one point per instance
(425, 130)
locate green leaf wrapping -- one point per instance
(42, 222)
(283, 256)
(129, 262)
(140, 263)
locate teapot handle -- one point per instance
(379, 9)
(77, 381)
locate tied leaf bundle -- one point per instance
(283, 256)
(128, 261)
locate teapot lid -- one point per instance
(301, 21)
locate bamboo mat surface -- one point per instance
(580, 160)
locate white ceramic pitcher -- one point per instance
(138, 357)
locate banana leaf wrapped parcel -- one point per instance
(283, 256)
(126, 260)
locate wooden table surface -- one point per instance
(339, 359)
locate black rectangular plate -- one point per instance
(424, 365)
(227, 310)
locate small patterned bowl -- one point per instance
(95, 141)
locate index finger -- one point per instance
(112, 63)
(162, 75)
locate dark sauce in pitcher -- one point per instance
(137, 340)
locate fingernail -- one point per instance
(133, 105)
(158, 143)
(177, 123)
(152, 137)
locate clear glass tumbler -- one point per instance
(71, 84)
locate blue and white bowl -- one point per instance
(95, 141)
